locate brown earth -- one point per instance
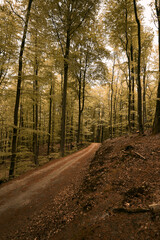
(114, 201)
(31, 206)
(107, 197)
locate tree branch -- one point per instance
(15, 12)
(58, 36)
(80, 21)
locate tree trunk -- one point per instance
(102, 125)
(144, 96)
(156, 123)
(132, 83)
(50, 120)
(129, 96)
(99, 127)
(111, 113)
(35, 113)
(53, 116)
(35, 106)
(93, 127)
(64, 98)
(40, 121)
(129, 73)
(79, 106)
(81, 96)
(16, 109)
(115, 109)
(139, 71)
(72, 122)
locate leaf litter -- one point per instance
(116, 197)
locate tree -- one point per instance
(156, 123)
(139, 71)
(112, 81)
(67, 18)
(121, 31)
(35, 103)
(16, 108)
(8, 44)
(147, 45)
(81, 93)
(50, 117)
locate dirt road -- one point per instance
(24, 199)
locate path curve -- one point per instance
(22, 192)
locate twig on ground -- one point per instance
(139, 155)
(133, 210)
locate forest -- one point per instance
(74, 72)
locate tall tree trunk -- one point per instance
(139, 71)
(93, 126)
(53, 116)
(79, 106)
(129, 96)
(16, 109)
(50, 120)
(156, 123)
(102, 125)
(129, 71)
(132, 83)
(81, 96)
(111, 113)
(44, 130)
(99, 126)
(40, 121)
(115, 109)
(21, 124)
(64, 98)
(120, 111)
(144, 96)
(121, 127)
(35, 121)
(35, 106)
(71, 122)
(2, 144)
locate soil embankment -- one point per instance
(120, 195)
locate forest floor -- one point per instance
(120, 195)
(112, 196)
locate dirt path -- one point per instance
(22, 199)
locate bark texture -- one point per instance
(18, 93)
(156, 124)
(139, 71)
